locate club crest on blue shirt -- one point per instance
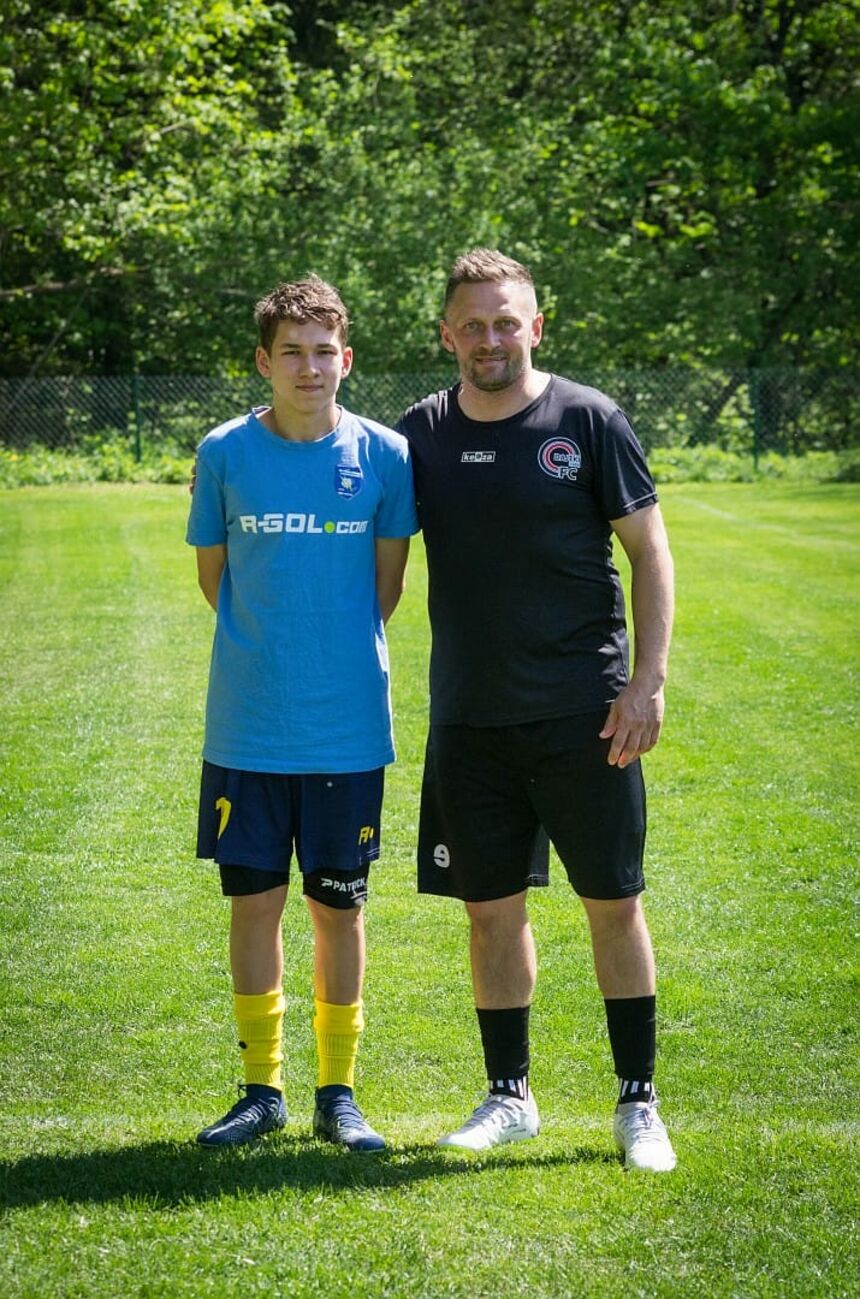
(348, 480)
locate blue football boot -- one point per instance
(257, 1112)
(338, 1119)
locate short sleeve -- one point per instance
(623, 483)
(207, 523)
(396, 516)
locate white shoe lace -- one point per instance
(645, 1138)
(496, 1111)
(644, 1125)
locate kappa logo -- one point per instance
(477, 457)
(560, 458)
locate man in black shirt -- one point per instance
(536, 725)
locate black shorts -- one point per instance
(250, 821)
(493, 796)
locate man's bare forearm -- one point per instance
(653, 607)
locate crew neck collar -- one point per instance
(506, 419)
(325, 438)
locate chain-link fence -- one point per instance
(747, 411)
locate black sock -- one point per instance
(632, 1024)
(635, 1089)
(329, 1092)
(505, 1039)
(260, 1091)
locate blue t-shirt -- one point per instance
(299, 674)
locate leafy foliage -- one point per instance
(107, 460)
(111, 459)
(678, 177)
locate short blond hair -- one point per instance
(482, 266)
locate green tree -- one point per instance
(680, 179)
(120, 118)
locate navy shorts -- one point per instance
(494, 797)
(249, 822)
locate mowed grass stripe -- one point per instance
(117, 1041)
(101, 609)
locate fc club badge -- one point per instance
(560, 458)
(347, 480)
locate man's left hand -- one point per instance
(633, 723)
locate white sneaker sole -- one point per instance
(455, 1142)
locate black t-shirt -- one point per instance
(526, 606)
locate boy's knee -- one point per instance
(339, 918)
(258, 908)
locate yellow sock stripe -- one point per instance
(259, 1020)
(337, 1030)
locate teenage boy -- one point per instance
(301, 515)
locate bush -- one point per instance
(710, 464)
(106, 462)
(847, 468)
(111, 460)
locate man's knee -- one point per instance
(500, 916)
(614, 914)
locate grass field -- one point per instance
(116, 1035)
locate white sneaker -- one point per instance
(496, 1121)
(641, 1134)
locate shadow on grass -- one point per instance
(169, 1174)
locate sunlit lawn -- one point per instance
(116, 1032)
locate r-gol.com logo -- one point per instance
(300, 523)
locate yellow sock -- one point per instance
(337, 1029)
(260, 1019)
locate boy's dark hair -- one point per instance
(301, 301)
(483, 265)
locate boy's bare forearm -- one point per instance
(211, 561)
